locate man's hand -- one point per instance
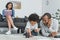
(49, 24)
(53, 34)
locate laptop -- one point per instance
(7, 12)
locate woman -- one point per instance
(9, 13)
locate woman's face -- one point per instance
(9, 6)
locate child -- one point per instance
(32, 26)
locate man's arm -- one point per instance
(44, 33)
(54, 30)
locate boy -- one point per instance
(32, 26)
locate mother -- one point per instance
(9, 13)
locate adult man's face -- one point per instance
(45, 20)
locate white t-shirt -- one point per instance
(29, 26)
(53, 27)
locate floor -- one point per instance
(20, 36)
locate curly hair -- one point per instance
(33, 17)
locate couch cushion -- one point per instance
(20, 24)
(19, 20)
(3, 24)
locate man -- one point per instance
(49, 26)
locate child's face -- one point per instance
(33, 23)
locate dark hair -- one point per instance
(48, 14)
(8, 4)
(33, 17)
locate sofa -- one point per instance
(20, 23)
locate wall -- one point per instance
(28, 7)
(52, 6)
